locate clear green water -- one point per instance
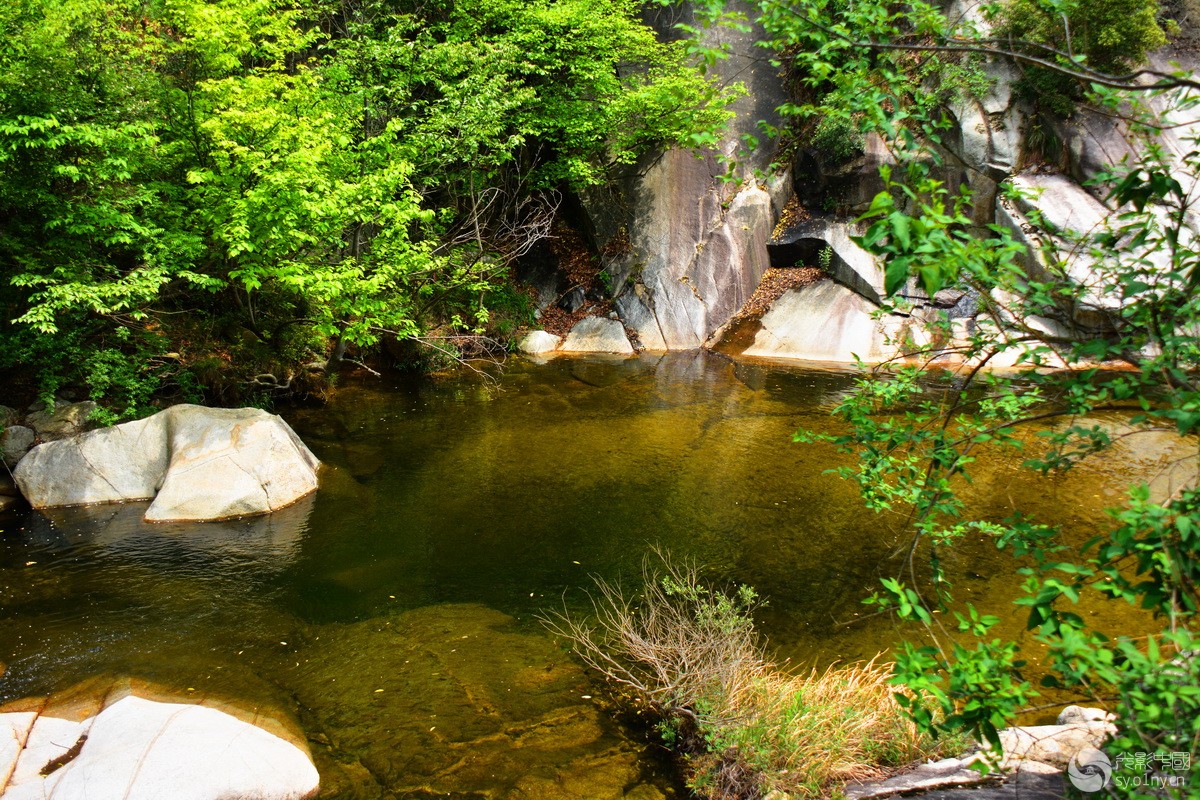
(451, 511)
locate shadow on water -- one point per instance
(392, 612)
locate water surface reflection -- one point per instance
(451, 511)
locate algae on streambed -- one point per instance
(455, 700)
(451, 511)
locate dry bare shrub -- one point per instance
(690, 655)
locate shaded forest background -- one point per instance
(216, 201)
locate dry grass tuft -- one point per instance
(829, 728)
(690, 654)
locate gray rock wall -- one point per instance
(996, 140)
(685, 248)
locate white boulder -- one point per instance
(139, 749)
(825, 321)
(538, 342)
(1053, 744)
(1076, 715)
(597, 335)
(196, 463)
(125, 462)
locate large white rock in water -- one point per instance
(138, 749)
(196, 463)
(597, 335)
(827, 322)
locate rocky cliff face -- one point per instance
(685, 248)
(685, 245)
(997, 140)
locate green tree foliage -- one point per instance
(1117, 303)
(1112, 37)
(88, 230)
(1122, 311)
(234, 183)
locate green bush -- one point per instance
(837, 138)
(1112, 36)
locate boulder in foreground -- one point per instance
(139, 749)
(196, 463)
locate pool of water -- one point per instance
(392, 614)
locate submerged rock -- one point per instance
(461, 701)
(120, 746)
(605, 369)
(196, 463)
